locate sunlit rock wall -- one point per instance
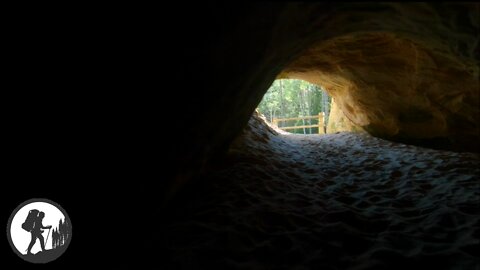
(338, 122)
(402, 83)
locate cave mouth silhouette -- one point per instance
(351, 200)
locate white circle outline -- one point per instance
(20, 206)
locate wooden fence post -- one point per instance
(320, 123)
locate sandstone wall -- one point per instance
(338, 122)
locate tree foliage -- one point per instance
(288, 98)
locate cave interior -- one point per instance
(145, 126)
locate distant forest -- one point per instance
(288, 98)
(61, 234)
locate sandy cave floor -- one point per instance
(337, 201)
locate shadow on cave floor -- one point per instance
(338, 201)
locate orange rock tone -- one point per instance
(396, 86)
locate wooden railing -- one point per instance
(320, 124)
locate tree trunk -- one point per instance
(282, 103)
(302, 107)
(325, 108)
(309, 106)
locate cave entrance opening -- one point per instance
(296, 106)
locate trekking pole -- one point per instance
(47, 236)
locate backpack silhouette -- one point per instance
(30, 220)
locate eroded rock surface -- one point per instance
(338, 122)
(397, 87)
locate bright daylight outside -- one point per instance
(296, 106)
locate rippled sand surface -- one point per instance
(338, 201)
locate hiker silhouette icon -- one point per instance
(34, 225)
(39, 231)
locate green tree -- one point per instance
(288, 98)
